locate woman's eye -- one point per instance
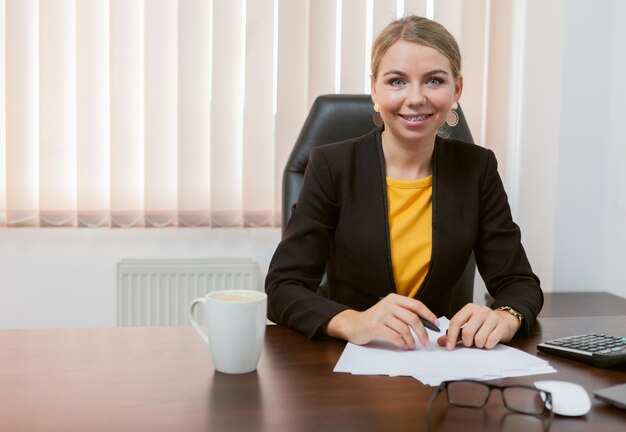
(396, 82)
(433, 81)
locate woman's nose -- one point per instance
(415, 95)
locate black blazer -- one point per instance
(340, 225)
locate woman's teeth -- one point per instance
(417, 118)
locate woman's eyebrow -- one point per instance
(394, 72)
(437, 71)
(430, 72)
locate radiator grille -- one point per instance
(157, 292)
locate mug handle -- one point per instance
(192, 318)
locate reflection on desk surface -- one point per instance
(582, 304)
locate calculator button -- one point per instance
(604, 351)
(616, 349)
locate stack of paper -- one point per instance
(435, 364)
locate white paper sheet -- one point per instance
(434, 364)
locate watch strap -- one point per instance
(512, 311)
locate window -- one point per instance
(180, 112)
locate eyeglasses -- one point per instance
(521, 399)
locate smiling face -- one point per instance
(414, 89)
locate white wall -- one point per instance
(584, 143)
(535, 149)
(66, 277)
(614, 221)
(571, 201)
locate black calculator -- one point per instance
(598, 349)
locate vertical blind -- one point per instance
(132, 113)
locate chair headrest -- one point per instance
(332, 118)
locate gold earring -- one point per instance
(376, 117)
(453, 117)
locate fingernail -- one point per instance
(437, 323)
(449, 346)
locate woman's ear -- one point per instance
(373, 90)
(458, 88)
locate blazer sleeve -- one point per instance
(500, 256)
(299, 262)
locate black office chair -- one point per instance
(339, 117)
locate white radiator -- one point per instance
(157, 292)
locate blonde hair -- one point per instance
(421, 31)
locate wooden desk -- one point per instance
(162, 379)
(576, 304)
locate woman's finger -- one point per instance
(454, 329)
(402, 329)
(485, 330)
(496, 336)
(410, 319)
(415, 306)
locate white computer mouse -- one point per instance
(568, 398)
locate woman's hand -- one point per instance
(482, 327)
(392, 318)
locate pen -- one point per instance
(429, 325)
(425, 322)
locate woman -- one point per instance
(392, 217)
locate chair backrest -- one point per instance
(335, 118)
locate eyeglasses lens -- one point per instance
(467, 394)
(523, 400)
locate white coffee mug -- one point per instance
(236, 328)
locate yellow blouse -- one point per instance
(410, 226)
